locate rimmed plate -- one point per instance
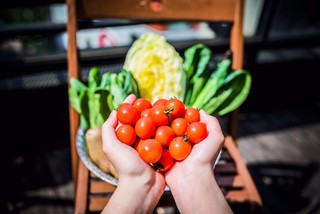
(84, 157)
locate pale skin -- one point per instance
(191, 181)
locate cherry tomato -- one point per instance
(145, 127)
(165, 162)
(164, 134)
(128, 114)
(192, 115)
(159, 115)
(160, 102)
(146, 113)
(142, 104)
(150, 150)
(179, 126)
(126, 134)
(179, 148)
(176, 106)
(196, 132)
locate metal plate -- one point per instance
(84, 157)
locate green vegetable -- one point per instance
(103, 94)
(240, 82)
(219, 91)
(121, 85)
(195, 66)
(94, 78)
(213, 84)
(216, 101)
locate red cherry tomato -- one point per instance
(126, 134)
(164, 134)
(146, 113)
(145, 127)
(192, 115)
(179, 126)
(150, 150)
(159, 115)
(160, 102)
(176, 106)
(165, 162)
(128, 114)
(179, 148)
(142, 104)
(196, 132)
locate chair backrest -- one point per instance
(221, 11)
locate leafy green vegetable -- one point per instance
(217, 92)
(212, 85)
(240, 82)
(94, 78)
(195, 66)
(216, 101)
(84, 114)
(103, 94)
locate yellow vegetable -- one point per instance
(156, 66)
(94, 144)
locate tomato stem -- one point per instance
(158, 167)
(168, 111)
(185, 138)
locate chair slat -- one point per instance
(237, 195)
(101, 187)
(230, 181)
(97, 204)
(217, 10)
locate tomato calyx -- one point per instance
(158, 167)
(169, 111)
(185, 138)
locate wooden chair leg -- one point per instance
(234, 124)
(254, 197)
(82, 189)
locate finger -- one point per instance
(211, 121)
(108, 130)
(130, 99)
(213, 126)
(112, 120)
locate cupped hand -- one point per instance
(132, 170)
(125, 159)
(193, 177)
(203, 154)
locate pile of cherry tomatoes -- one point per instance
(161, 133)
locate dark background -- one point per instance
(283, 58)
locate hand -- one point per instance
(192, 181)
(203, 154)
(140, 186)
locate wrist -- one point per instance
(141, 192)
(188, 175)
(136, 193)
(197, 191)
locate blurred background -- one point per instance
(280, 121)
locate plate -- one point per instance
(86, 160)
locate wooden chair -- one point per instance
(92, 194)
